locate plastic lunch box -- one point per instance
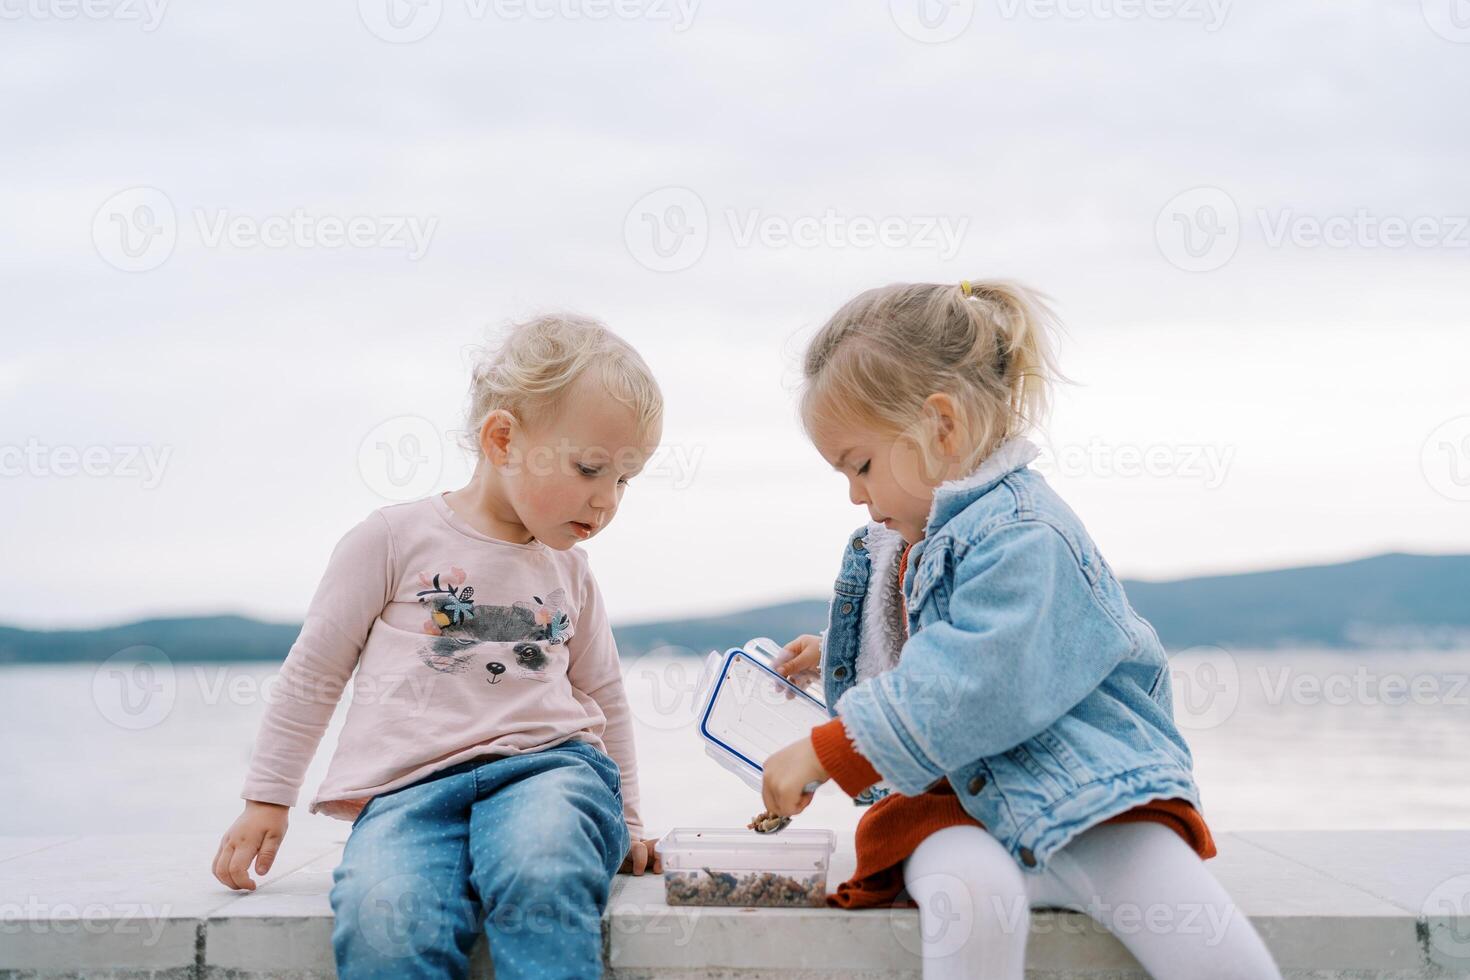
(747, 711)
(721, 866)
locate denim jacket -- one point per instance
(1027, 679)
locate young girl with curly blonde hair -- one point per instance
(487, 760)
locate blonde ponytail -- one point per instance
(985, 343)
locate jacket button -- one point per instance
(840, 672)
(977, 783)
(1027, 858)
(847, 607)
(857, 544)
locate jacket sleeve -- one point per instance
(1001, 668)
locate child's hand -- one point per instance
(787, 773)
(640, 852)
(259, 830)
(800, 661)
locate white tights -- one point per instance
(1139, 880)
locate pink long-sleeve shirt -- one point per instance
(463, 645)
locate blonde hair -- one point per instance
(536, 361)
(987, 344)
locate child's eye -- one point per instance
(587, 470)
(863, 470)
(623, 480)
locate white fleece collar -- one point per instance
(952, 496)
(883, 628)
(1010, 455)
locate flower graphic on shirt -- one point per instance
(459, 624)
(550, 615)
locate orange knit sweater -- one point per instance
(893, 827)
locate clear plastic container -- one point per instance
(747, 711)
(726, 866)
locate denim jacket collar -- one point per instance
(953, 496)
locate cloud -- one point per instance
(1056, 139)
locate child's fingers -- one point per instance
(221, 863)
(800, 679)
(658, 864)
(239, 867)
(637, 855)
(267, 856)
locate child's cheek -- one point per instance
(556, 498)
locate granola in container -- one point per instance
(739, 867)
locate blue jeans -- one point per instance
(525, 846)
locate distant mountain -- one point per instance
(206, 638)
(1386, 601)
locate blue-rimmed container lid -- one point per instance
(749, 711)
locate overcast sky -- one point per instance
(246, 246)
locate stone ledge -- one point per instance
(1331, 904)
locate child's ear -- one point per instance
(495, 436)
(948, 430)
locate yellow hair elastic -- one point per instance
(965, 286)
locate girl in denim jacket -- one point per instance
(991, 687)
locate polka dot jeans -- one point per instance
(522, 847)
